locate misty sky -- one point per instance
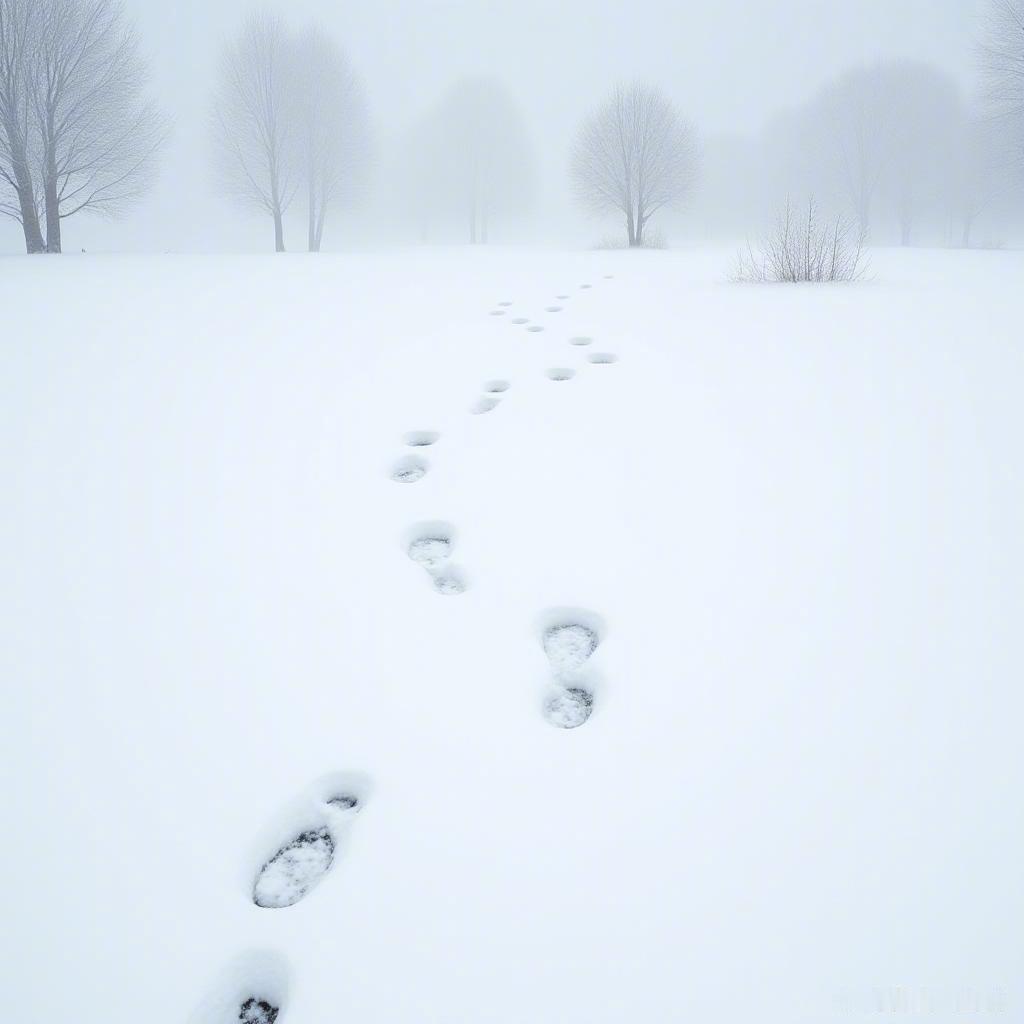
(729, 64)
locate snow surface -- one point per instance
(796, 513)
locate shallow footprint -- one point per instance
(253, 989)
(552, 309)
(449, 581)
(254, 1011)
(569, 709)
(580, 340)
(505, 303)
(294, 870)
(585, 286)
(603, 357)
(534, 328)
(496, 387)
(562, 297)
(409, 469)
(497, 312)
(421, 438)
(430, 544)
(519, 320)
(482, 405)
(560, 373)
(569, 646)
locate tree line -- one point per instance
(289, 124)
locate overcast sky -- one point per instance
(728, 63)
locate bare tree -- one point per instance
(253, 130)
(802, 249)
(634, 154)
(19, 186)
(1002, 65)
(332, 137)
(469, 161)
(98, 133)
(857, 127)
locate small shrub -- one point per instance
(803, 249)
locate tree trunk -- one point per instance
(30, 222)
(313, 241)
(641, 222)
(26, 195)
(320, 218)
(53, 243)
(965, 238)
(278, 230)
(630, 228)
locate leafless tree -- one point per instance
(634, 154)
(98, 133)
(858, 126)
(254, 129)
(1002, 62)
(20, 194)
(332, 137)
(803, 249)
(469, 161)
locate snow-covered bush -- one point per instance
(800, 249)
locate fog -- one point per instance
(732, 68)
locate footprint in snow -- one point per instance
(519, 320)
(580, 340)
(409, 469)
(451, 581)
(258, 1011)
(560, 373)
(496, 387)
(585, 286)
(535, 328)
(309, 842)
(497, 312)
(430, 545)
(506, 303)
(253, 989)
(562, 297)
(569, 709)
(421, 438)
(569, 638)
(608, 277)
(482, 405)
(602, 357)
(552, 309)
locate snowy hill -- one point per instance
(783, 526)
